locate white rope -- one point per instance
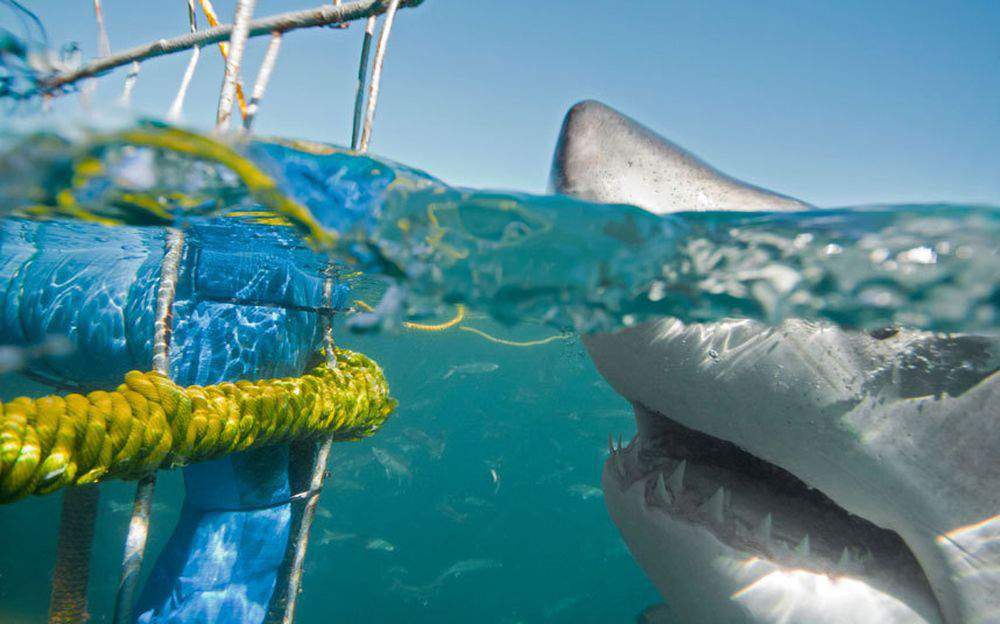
(359, 96)
(263, 77)
(237, 43)
(138, 527)
(383, 42)
(130, 79)
(103, 43)
(178, 104)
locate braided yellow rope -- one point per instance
(149, 422)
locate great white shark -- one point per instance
(798, 472)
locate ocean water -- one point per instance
(479, 500)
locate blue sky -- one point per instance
(838, 103)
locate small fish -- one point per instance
(377, 543)
(434, 445)
(585, 491)
(475, 501)
(451, 513)
(323, 512)
(345, 485)
(495, 476)
(329, 537)
(465, 566)
(560, 605)
(393, 465)
(473, 368)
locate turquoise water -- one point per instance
(479, 500)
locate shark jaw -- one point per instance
(778, 468)
(728, 537)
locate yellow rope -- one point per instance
(514, 343)
(459, 315)
(149, 422)
(281, 209)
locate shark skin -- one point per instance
(793, 473)
(604, 156)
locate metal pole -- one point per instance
(359, 97)
(135, 549)
(103, 43)
(130, 79)
(138, 528)
(237, 43)
(291, 577)
(286, 593)
(383, 42)
(284, 22)
(263, 76)
(178, 104)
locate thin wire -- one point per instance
(103, 43)
(359, 97)
(263, 77)
(130, 79)
(178, 104)
(383, 42)
(237, 43)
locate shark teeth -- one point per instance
(661, 490)
(713, 508)
(802, 550)
(763, 532)
(847, 562)
(676, 480)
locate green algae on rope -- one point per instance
(149, 423)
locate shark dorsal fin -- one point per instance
(607, 157)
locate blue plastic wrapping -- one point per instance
(248, 305)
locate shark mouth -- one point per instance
(760, 509)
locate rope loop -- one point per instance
(149, 423)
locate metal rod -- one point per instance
(284, 22)
(178, 104)
(237, 43)
(383, 42)
(135, 549)
(299, 537)
(282, 607)
(359, 97)
(263, 77)
(103, 43)
(68, 602)
(138, 528)
(130, 79)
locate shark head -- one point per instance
(796, 472)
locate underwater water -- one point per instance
(480, 499)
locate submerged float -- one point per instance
(198, 336)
